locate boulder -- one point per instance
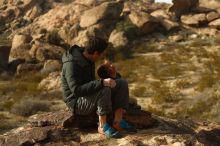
(180, 7)
(20, 39)
(194, 19)
(118, 39)
(52, 82)
(169, 25)
(102, 29)
(20, 47)
(34, 12)
(160, 14)
(51, 66)
(26, 67)
(211, 4)
(63, 128)
(10, 14)
(68, 33)
(145, 22)
(164, 19)
(141, 119)
(105, 11)
(89, 3)
(4, 55)
(29, 4)
(2, 2)
(215, 23)
(212, 16)
(176, 38)
(45, 51)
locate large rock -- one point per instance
(212, 16)
(20, 47)
(118, 39)
(105, 11)
(52, 66)
(194, 19)
(34, 12)
(215, 23)
(19, 40)
(102, 29)
(145, 22)
(44, 52)
(164, 19)
(211, 4)
(180, 7)
(29, 4)
(27, 67)
(52, 82)
(60, 128)
(89, 3)
(4, 55)
(9, 14)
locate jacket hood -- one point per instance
(74, 54)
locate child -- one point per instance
(107, 70)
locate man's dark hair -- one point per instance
(103, 72)
(96, 44)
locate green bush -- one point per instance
(129, 29)
(206, 80)
(29, 107)
(54, 38)
(139, 91)
(164, 93)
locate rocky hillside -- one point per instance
(58, 129)
(173, 49)
(40, 31)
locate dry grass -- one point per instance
(29, 107)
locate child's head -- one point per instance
(106, 70)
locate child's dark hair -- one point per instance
(96, 44)
(103, 72)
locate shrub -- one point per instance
(206, 80)
(139, 91)
(54, 38)
(30, 107)
(43, 31)
(164, 94)
(129, 29)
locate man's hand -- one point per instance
(109, 83)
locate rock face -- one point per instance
(52, 66)
(215, 23)
(118, 39)
(52, 82)
(164, 19)
(145, 22)
(194, 20)
(180, 7)
(57, 128)
(107, 10)
(20, 47)
(212, 16)
(43, 52)
(27, 67)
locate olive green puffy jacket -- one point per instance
(78, 76)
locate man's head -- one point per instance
(96, 47)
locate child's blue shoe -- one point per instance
(109, 131)
(124, 126)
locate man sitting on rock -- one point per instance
(84, 95)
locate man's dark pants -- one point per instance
(104, 101)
